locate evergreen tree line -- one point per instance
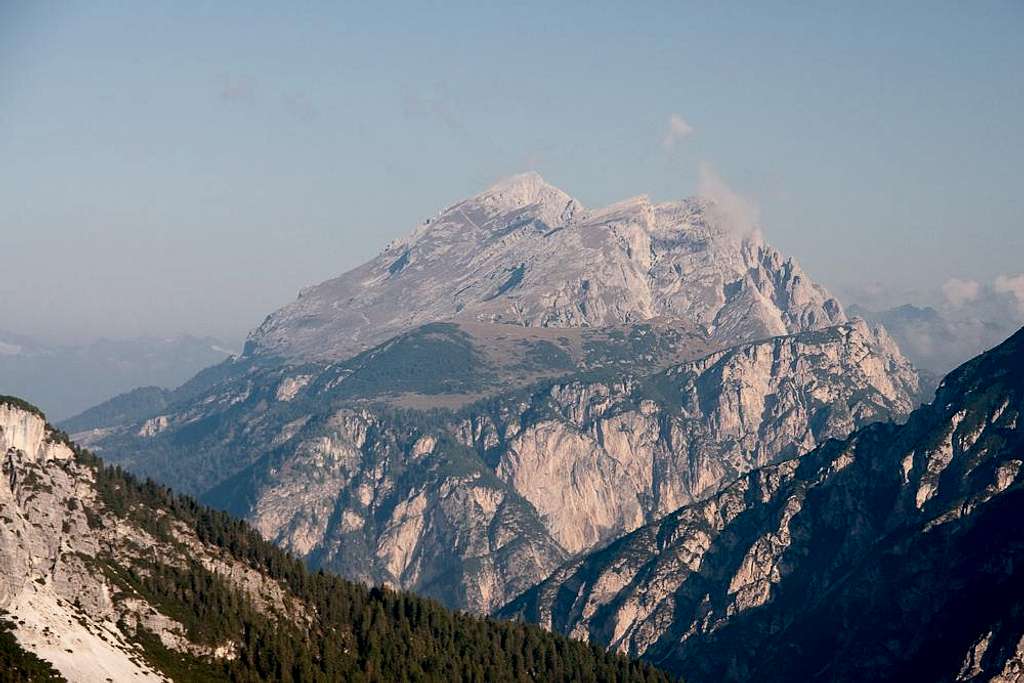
(18, 665)
(351, 632)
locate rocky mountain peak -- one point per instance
(526, 253)
(24, 435)
(525, 190)
(525, 195)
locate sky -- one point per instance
(188, 166)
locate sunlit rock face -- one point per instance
(475, 505)
(598, 459)
(62, 549)
(894, 554)
(526, 253)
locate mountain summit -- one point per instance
(527, 253)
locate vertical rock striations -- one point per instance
(104, 577)
(891, 555)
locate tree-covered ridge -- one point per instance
(351, 632)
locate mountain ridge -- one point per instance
(518, 381)
(885, 555)
(106, 577)
(525, 252)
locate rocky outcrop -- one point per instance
(891, 555)
(58, 549)
(526, 253)
(474, 505)
(107, 578)
(596, 459)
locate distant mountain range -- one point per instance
(66, 380)
(938, 340)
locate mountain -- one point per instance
(467, 461)
(893, 554)
(938, 340)
(526, 253)
(69, 379)
(103, 577)
(124, 408)
(519, 381)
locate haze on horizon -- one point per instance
(188, 167)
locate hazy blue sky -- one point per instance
(190, 166)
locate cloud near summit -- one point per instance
(678, 129)
(1012, 285)
(730, 209)
(958, 292)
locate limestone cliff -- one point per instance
(63, 557)
(474, 504)
(894, 554)
(526, 253)
(107, 578)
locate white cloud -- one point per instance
(1013, 285)
(959, 292)
(730, 210)
(678, 129)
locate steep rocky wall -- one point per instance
(56, 539)
(475, 507)
(893, 555)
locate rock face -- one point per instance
(518, 381)
(894, 554)
(107, 578)
(526, 253)
(57, 549)
(473, 505)
(598, 458)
